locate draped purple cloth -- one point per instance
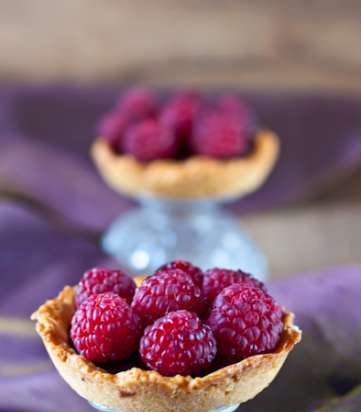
(49, 235)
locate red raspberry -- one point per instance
(164, 292)
(104, 328)
(215, 280)
(138, 104)
(219, 135)
(245, 321)
(179, 113)
(178, 343)
(230, 103)
(149, 140)
(111, 128)
(193, 271)
(234, 106)
(100, 280)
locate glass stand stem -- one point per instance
(199, 231)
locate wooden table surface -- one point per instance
(264, 45)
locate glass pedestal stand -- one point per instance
(221, 409)
(199, 231)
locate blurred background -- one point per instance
(311, 45)
(276, 49)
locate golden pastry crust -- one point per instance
(137, 390)
(197, 177)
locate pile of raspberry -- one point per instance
(180, 320)
(147, 127)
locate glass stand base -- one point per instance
(201, 232)
(221, 409)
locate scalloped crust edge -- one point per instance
(137, 390)
(194, 178)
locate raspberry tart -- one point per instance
(162, 352)
(184, 147)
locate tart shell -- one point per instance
(194, 178)
(137, 390)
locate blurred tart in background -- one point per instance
(183, 146)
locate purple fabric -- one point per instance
(320, 136)
(60, 181)
(38, 258)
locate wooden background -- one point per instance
(260, 43)
(264, 44)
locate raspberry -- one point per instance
(215, 280)
(230, 103)
(111, 128)
(166, 291)
(219, 135)
(104, 328)
(178, 343)
(193, 271)
(233, 106)
(179, 113)
(100, 280)
(138, 104)
(245, 321)
(149, 140)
